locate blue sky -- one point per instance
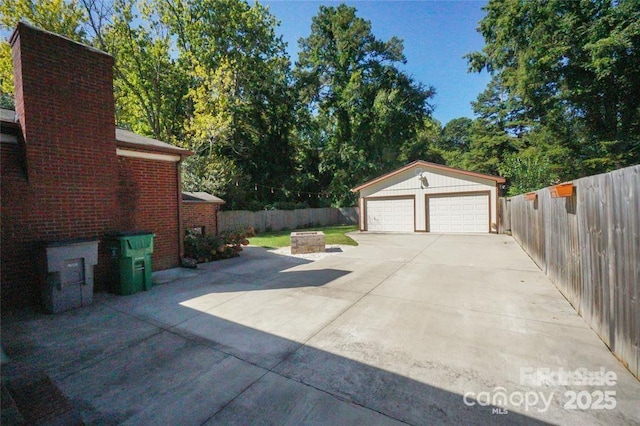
(436, 34)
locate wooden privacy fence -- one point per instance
(589, 246)
(276, 220)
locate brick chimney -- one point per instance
(67, 184)
(65, 106)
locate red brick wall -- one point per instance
(148, 195)
(64, 100)
(18, 270)
(63, 179)
(197, 214)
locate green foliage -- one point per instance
(526, 173)
(213, 76)
(255, 205)
(66, 18)
(287, 205)
(424, 145)
(242, 107)
(216, 174)
(150, 85)
(564, 98)
(205, 248)
(489, 146)
(358, 114)
(456, 135)
(6, 76)
(570, 68)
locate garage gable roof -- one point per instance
(203, 197)
(427, 164)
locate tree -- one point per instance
(527, 171)
(498, 131)
(66, 18)
(425, 145)
(456, 134)
(570, 64)
(240, 91)
(366, 111)
(149, 85)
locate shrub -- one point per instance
(254, 206)
(286, 205)
(282, 205)
(205, 248)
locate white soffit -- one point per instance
(147, 155)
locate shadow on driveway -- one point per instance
(233, 343)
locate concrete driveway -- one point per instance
(420, 329)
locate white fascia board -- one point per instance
(147, 155)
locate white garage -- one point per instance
(458, 213)
(428, 197)
(390, 214)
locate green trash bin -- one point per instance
(131, 255)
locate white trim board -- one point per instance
(147, 155)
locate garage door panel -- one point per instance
(459, 213)
(390, 215)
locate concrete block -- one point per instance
(70, 265)
(307, 242)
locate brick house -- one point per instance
(68, 172)
(200, 212)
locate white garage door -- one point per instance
(460, 213)
(390, 215)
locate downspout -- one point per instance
(497, 207)
(217, 218)
(500, 219)
(180, 224)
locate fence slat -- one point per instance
(277, 220)
(589, 246)
(526, 227)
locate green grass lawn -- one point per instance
(332, 235)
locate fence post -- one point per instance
(504, 210)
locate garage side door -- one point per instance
(390, 215)
(459, 213)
